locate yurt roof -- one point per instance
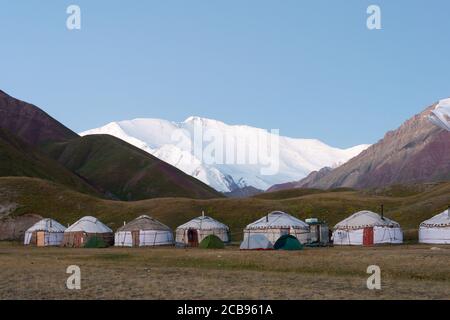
(440, 220)
(363, 219)
(278, 219)
(144, 223)
(203, 223)
(89, 225)
(48, 225)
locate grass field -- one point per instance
(409, 206)
(407, 272)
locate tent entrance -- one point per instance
(135, 237)
(192, 238)
(368, 237)
(40, 238)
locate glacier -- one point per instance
(173, 143)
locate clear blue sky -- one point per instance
(310, 68)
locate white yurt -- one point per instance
(272, 227)
(367, 228)
(79, 233)
(193, 232)
(46, 232)
(436, 230)
(143, 231)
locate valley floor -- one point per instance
(408, 272)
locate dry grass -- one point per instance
(408, 272)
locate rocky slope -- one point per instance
(418, 151)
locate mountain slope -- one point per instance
(29, 123)
(223, 170)
(417, 151)
(127, 172)
(18, 158)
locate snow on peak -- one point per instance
(238, 161)
(440, 116)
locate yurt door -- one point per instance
(40, 238)
(368, 237)
(78, 239)
(135, 236)
(192, 238)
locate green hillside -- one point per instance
(20, 159)
(127, 172)
(55, 201)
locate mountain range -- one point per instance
(138, 159)
(175, 143)
(34, 144)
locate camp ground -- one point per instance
(88, 232)
(143, 231)
(436, 230)
(46, 232)
(192, 233)
(367, 228)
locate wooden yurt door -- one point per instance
(40, 238)
(368, 236)
(192, 238)
(135, 237)
(78, 239)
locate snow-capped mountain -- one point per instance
(228, 157)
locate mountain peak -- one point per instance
(227, 172)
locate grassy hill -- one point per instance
(20, 159)
(55, 201)
(127, 172)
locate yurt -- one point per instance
(143, 231)
(46, 232)
(85, 229)
(193, 232)
(256, 241)
(272, 227)
(436, 230)
(367, 228)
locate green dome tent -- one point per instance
(288, 242)
(212, 242)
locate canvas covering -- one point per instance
(151, 233)
(87, 227)
(204, 226)
(53, 233)
(350, 231)
(436, 230)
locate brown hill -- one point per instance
(30, 123)
(416, 152)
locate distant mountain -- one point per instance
(173, 143)
(418, 151)
(307, 182)
(245, 192)
(34, 144)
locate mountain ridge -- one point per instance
(298, 157)
(417, 151)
